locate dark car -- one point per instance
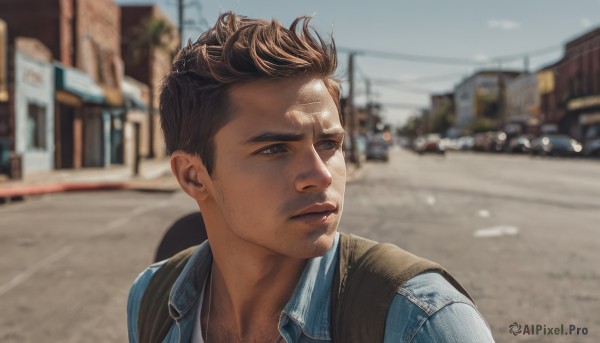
(377, 150)
(520, 144)
(591, 142)
(555, 145)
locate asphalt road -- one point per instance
(521, 234)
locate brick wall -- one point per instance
(26, 18)
(98, 41)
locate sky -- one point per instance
(474, 32)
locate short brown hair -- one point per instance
(193, 96)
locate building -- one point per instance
(573, 104)
(84, 38)
(136, 138)
(33, 105)
(480, 95)
(523, 105)
(149, 65)
(5, 119)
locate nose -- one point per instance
(314, 176)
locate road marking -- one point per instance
(430, 200)
(29, 272)
(483, 213)
(117, 223)
(497, 231)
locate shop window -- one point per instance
(36, 126)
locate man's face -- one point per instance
(280, 155)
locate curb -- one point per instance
(20, 192)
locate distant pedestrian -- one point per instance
(251, 116)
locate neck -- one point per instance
(251, 286)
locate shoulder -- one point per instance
(429, 309)
(135, 298)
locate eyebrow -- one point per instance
(289, 137)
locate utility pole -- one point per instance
(180, 7)
(354, 158)
(501, 97)
(526, 64)
(371, 120)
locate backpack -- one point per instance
(367, 278)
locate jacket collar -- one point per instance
(310, 305)
(308, 309)
(186, 289)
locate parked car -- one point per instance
(555, 145)
(591, 141)
(498, 141)
(465, 143)
(483, 141)
(520, 144)
(429, 143)
(377, 150)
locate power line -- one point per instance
(424, 79)
(532, 53)
(411, 57)
(447, 60)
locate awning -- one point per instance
(78, 83)
(589, 118)
(133, 92)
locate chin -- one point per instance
(317, 246)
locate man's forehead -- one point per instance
(280, 94)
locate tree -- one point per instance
(442, 118)
(151, 36)
(413, 127)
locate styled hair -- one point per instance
(237, 49)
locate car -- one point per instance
(429, 143)
(555, 145)
(520, 144)
(466, 143)
(377, 150)
(591, 141)
(498, 142)
(483, 141)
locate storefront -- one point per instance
(83, 125)
(5, 132)
(34, 113)
(581, 114)
(135, 128)
(590, 124)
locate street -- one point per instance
(520, 233)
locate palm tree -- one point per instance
(152, 35)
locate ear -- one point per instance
(191, 174)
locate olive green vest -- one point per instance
(368, 277)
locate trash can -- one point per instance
(15, 171)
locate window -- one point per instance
(36, 126)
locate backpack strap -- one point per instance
(365, 284)
(155, 320)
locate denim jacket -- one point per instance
(426, 309)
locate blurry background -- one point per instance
(474, 135)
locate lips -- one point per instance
(321, 209)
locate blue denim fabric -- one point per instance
(426, 309)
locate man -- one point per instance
(251, 117)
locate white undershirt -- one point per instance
(197, 333)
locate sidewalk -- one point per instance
(155, 176)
